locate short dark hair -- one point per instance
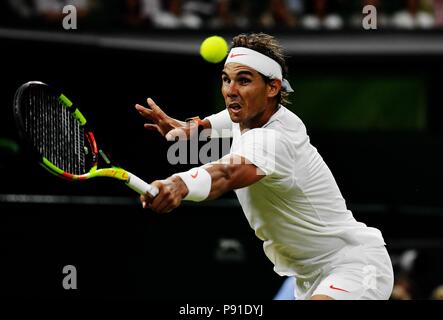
(269, 46)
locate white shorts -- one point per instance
(359, 273)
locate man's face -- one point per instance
(246, 95)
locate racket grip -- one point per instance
(138, 185)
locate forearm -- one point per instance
(214, 179)
(228, 177)
(221, 180)
(203, 183)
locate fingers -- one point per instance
(149, 115)
(159, 202)
(154, 106)
(142, 109)
(145, 200)
(165, 201)
(155, 114)
(145, 112)
(151, 126)
(164, 204)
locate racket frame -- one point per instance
(113, 171)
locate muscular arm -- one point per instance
(229, 173)
(232, 172)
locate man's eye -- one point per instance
(244, 81)
(226, 80)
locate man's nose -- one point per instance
(232, 89)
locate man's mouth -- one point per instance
(234, 107)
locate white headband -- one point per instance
(259, 62)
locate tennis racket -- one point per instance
(57, 133)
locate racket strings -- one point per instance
(55, 133)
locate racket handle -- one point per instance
(138, 185)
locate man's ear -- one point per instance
(274, 87)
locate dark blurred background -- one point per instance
(371, 100)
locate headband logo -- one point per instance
(233, 55)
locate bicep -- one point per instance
(232, 172)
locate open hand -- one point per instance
(172, 129)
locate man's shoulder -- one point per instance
(284, 119)
(263, 132)
(287, 124)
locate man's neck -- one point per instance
(260, 119)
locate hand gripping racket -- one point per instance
(56, 132)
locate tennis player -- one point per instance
(286, 190)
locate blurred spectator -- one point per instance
(169, 14)
(414, 16)
(356, 18)
(132, 13)
(437, 293)
(22, 8)
(417, 273)
(403, 266)
(438, 12)
(237, 14)
(260, 13)
(20, 13)
(205, 9)
(232, 14)
(279, 14)
(402, 288)
(321, 15)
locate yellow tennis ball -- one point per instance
(214, 49)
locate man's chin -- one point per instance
(234, 117)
